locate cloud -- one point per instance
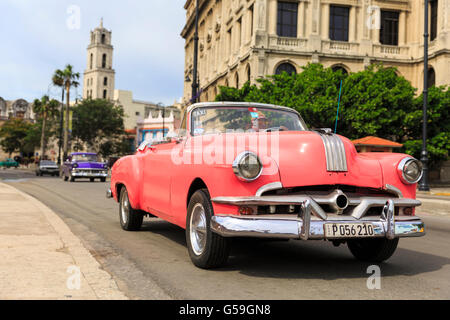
(36, 40)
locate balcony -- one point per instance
(395, 52)
(287, 43)
(340, 47)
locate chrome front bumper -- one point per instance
(311, 220)
(89, 175)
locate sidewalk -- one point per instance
(41, 258)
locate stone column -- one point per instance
(325, 32)
(301, 20)
(273, 12)
(352, 25)
(402, 28)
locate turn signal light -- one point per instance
(246, 211)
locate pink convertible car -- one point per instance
(256, 170)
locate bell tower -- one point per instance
(99, 76)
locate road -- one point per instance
(154, 264)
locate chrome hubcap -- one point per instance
(198, 229)
(125, 208)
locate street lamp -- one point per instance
(423, 184)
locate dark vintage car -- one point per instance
(84, 165)
(47, 167)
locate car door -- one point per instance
(157, 177)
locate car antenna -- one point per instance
(339, 102)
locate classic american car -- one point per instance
(9, 163)
(47, 167)
(256, 170)
(84, 165)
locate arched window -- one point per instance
(286, 67)
(104, 61)
(236, 77)
(248, 73)
(431, 77)
(105, 93)
(103, 38)
(105, 81)
(92, 60)
(337, 68)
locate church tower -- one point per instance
(99, 76)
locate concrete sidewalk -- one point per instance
(41, 258)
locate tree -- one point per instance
(13, 134)
(99, 124)
(68, 79)
(438, 126)
(44, 109)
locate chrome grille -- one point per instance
(335, 152)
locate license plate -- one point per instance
(348, 230)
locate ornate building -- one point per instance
(243, 40)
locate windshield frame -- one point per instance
(88, 155)
(225, 105)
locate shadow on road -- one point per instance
(304, 260)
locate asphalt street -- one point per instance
(154, 262)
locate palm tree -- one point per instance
(66, 79)
(44, 109)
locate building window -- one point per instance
(138, 113)
(431, 77)
(105, 81)
(237, 80)
(287, 19)
(389, 28)
(251, 20)
(103, 38)
(105, 93)
(239, 33)
(104, 61)
(92, 61)
(339, 23)
(286, 67)
(248, 73)
(434, 19)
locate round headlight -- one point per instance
(410, 170)
(75, 165)
(247, 166)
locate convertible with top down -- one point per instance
(257, 170)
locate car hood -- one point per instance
(91, 165)
(302, 161)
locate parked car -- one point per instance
(84, 165)
(47, 167)
(256, 170)
(9, 163)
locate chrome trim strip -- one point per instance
(268, 187)
(109, 193)
(260, 227)
(305, 217)
(334, 152)
(394, 190)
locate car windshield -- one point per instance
(85, 157)
(210, 120)
(48, 163)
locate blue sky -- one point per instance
(39, 37)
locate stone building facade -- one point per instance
(243, 40)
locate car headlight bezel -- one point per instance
(403, 173)
(239, 162)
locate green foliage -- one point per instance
(99, 124)
(18, 135)
(375, 101)
(438, 125)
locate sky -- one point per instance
(38, 37)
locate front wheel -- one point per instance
(372, 250)
(206, 249)
(130, 219)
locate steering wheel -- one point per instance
(275, 129)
